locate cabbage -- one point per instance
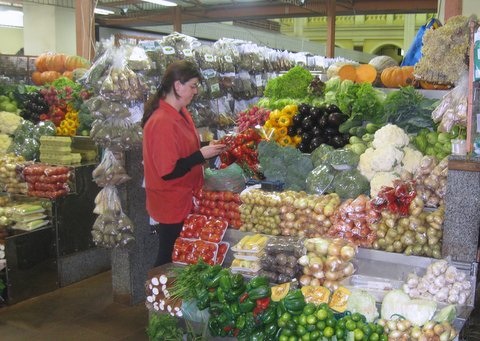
(448, 314)
(350, 184)
(393, 303)
(320, 154)
(343, 157)
(364, 303)
(417, 311)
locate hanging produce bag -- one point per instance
(414, 53)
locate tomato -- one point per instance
(228, 196)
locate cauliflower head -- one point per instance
(390, 134)
(381, 179)
(411, 160)
(364, 164)
(382, 159)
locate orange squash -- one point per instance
(68, 74)
(56, 62)
(433, 86)
(49, 76)
(75, 62)
(397, 76)
(37, 78)
(41, 62)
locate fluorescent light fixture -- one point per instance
(103, 11)
(13, 18)
(162, 2)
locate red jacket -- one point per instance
(168, 136)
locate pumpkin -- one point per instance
(433, 86)
(49, 76)
(365, 73)
(56, 62)
(37, 78)
(339, 299)
(75, 62)
(316, 294)
(397, 76)
(41, 62)
(68, 74)
(380, 63)
(342, 70)
(280, 291)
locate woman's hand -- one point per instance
(212, 150)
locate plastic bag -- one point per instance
(320, 154)
(107, 200)
(229, 179)
(116, 133)
(350, 183)
(112, 229)
(320, 180)
(110, 171)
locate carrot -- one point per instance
(366, 73)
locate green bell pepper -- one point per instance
(260, 292)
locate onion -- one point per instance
(347, 252)
(334, 249)
(315, 282)
(331, 275)
(319, 274)
(290, 216)
(333, 263)
(304, 260)
(349, 270)
(321, 246)
(305, 280)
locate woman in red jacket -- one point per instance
(172, 157)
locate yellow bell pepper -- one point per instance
(297, 139)
(284, 121)
(280, 132)
(285, 141)
(290, 110)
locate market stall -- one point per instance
(373, 229)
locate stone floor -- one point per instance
(86, 311)
(81, 311)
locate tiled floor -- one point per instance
(81, 311)
(86, 311)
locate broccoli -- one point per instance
(286, 164)
(85, 119)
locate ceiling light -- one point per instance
(103, 11)
(162, 2)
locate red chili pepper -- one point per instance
(227, 328)
(235, 332)
(243, 297)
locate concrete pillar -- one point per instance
(409, 31)
(48, 28)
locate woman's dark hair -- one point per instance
(183, 71)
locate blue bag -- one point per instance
(414, 53)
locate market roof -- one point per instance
(130, 13)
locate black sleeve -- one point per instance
(184, 165)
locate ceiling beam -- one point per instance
(269, 10)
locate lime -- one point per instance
(328, 332)
(340, 333)
(321, 314)
(321, 325)
(281, 323)
(293, 338)
(301, 330)
(383, 337)
(309, 309)
(374, 337)
(306, 337)
(286, 316)
(331, 322)
(367, 330)
(291, 325)
(350, 325)
(357, 317)
(283, 338)
(358, 334)
(302, 320)
(310, 327)
(311, 319)
(379, 329)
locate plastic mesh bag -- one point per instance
(229, 179)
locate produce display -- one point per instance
(279, 262)
(223, 205)
(327, 262)
(10, 175)
(47, 181)
(50, 66)
(29, 216)
(201, 237)
(442, 282)
(251, 117)
(248, 253)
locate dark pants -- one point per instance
(167, 234)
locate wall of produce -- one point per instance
(352, 161)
